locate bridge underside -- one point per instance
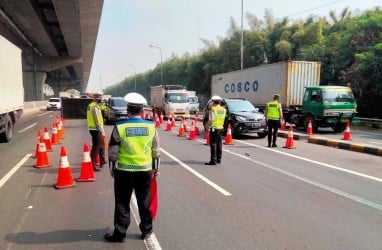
(57, 38)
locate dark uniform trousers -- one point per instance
(273, 125)
(216, 144)
(98, 147)
(124, 184)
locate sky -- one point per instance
(129, 27)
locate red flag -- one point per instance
(153, 198)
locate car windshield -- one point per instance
(118, 102)
(54, 100)
(177, 97)
(240, 106)
(337, 95)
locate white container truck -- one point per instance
(297, 82)
(11, 88)
(169, 100)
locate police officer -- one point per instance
(215, 125)
(95, 125)
(134, 161)
(273, 114)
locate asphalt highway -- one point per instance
(310, 197)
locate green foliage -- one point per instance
(349, 48)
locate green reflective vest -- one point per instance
(273, 110)
(220, 113)
(90, 119)
(137, 137)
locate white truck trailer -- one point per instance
(12, 89)
(169, 100)
(297, 82)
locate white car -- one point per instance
(54, 104)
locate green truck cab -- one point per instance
(328, 106)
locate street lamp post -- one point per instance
(241, 45)
(135, 77)
(161, 69)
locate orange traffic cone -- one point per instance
(87, 172)
(64, 179)
(196, 126)
(161, 118)
(48, 142)
(55, 139)
(181, 130)
(168, 126)
(184, 124)
(207, 137)
(157, 122)
(173, 121)
(192, 134)
(42, 160)
(347, 135)
(98, 161)
(228, 137)
(60, 127)
(39, 139)
(282, 125)
(309, 130)
(289, 142)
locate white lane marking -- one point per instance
(13, 170)
(317, 162)
(206, 180)
(316, 184)
(151, 242)
(30, 126)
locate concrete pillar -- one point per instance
(33, 85)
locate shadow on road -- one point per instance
(61, 236)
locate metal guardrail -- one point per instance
(375, 123)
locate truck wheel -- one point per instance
(7, 135)
(339, 127)
(314, 124)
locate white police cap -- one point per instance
(134, 98)
(215, 98)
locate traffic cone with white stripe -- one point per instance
(181, 132)
(42, 159)
(192, 134)
(65, 178)
(55, 139)
(157, 122)
(228, 137)
(196, 126)
(87, 172)
(282, 125)
(309, 130)
(168, 126)
(39, 139)
(289, 144)
(47, 140)
(347, 135)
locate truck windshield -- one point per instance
(177, 97)
(338, 95)
(193, 100)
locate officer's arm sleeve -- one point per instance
(155, 152)
(114, 145)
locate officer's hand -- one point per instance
(155, 173)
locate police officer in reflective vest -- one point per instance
(134, 161)
(95, 125)
(215, 125)
(273, 114)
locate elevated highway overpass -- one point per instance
(57, 39)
